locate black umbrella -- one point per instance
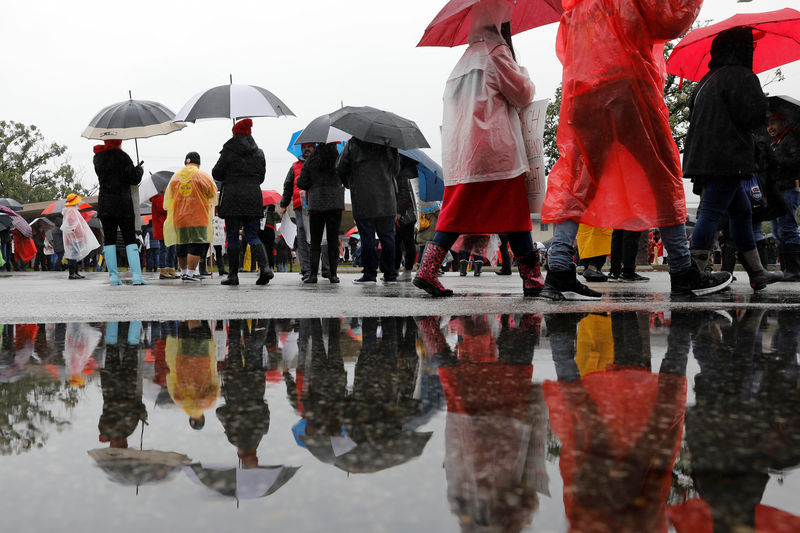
(5, 222)
(319, 130)
(378, 126)
(11, 203)
(242, 483)
(42, 221)
(233, 101)
(138, 467)
(376, 455)
(787, 106)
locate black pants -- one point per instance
(404, 242)
(125, 225)
(267, 236)
(194, 248)
(218, 254)
(624, 247)
(329, 223)
(505, 257)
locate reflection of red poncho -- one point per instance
(619, 166)
(621, 432)
(694, 516)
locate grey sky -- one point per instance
(64, 61)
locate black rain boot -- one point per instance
(333, 261)
(233, 275)
(792, 262)
(759, 278)
(265, 272)
(312, 273)
(476, 268)
(462, 267)
(761, 246)
(73, 274)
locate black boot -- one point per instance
(333, 262)
(264, 271)
(694, 282)
(759, 278)
(792, 262)
(73, 272)
(233, 275)
(314, 264)
(462, 267)
(761, 246)
(476, 268)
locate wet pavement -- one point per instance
(682, 418)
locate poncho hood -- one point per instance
(486, 18)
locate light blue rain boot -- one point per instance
(133, 262)
(110, 253)
(134, 333)
(112, 330)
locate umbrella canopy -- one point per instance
(233, 101)
(320, 130)
(378, 126)
(430, 174)
(17, 222)
(138, 467)
(132, 119)
(242, 483)
(777, 35)
(293, 148)
(58, 205)
(154, 184)
(270, 197)
(376, 455)
(351, 231)
(787, 106)
(11, 203)
(42, 221)
(5, 222)
(451, 25)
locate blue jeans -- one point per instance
(166, 256)
(561, 252)
(520, 241)
(384, 227)
(785, 228)
(251, 227)
(724, 194)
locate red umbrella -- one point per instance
(58, 205)
(777, 35)
(270, 197)
(451, 25)
(350, 232)
(88, 215)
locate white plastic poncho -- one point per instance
(481, 129)
(79, 240)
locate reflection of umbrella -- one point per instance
(430, 174)
(378, 126)
(270, 197)
(138, 467)
(58, 205)
(233, 101)
(131, 119)
(787, 106)
(451, 25)
(376, 455)
(319, 130)
(11, 203)
(351, 231)
(242, 483)
(18, 222)
(777, 35)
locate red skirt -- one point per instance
(486, 207)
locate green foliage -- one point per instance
(550, 129)
(677, 93)
(31, 170)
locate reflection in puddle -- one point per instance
(625, 421)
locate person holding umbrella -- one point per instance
(484, 156)
(291, 195)
(189, 199)
(241, 169)
(79, 241)
(116, 174)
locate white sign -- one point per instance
(533, 117)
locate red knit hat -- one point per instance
(243, 127)
(113, 143)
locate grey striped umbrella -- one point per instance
(378, 126)
(233, 101)
(319, 130)
(132, 119)
(17, 221)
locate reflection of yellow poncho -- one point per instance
(595, 347)
(192, 382)
(188, 200)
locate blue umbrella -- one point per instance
(295, 149)
(430, 173)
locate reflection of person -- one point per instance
(484, 154)
(78, 239)
(727, 107)
(620, 425)
(325, 196)
(189, 198)
(193, 382)
(122, 397)
(245, 415)
(116, 174)
(241, 168)
(619, 166)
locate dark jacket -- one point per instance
(58, 240)
(115, 173)
(241, 169)
(727, 106)
(783, 160)
(318, 177)
(406, 206)
(369, 170)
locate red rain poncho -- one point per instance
(619, 166)
(188, 200)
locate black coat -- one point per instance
(727, 107)
(369, 170)
(406, 206)
(783, 160)
(116, 173)
(241, 169)
(319, 178)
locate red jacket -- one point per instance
(159, 216)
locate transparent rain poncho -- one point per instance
(481, 130)
(79, 240)
(618, 166)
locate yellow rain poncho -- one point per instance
(189, 197)
(193, 381)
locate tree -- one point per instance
(550, 129)
(31, 170)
